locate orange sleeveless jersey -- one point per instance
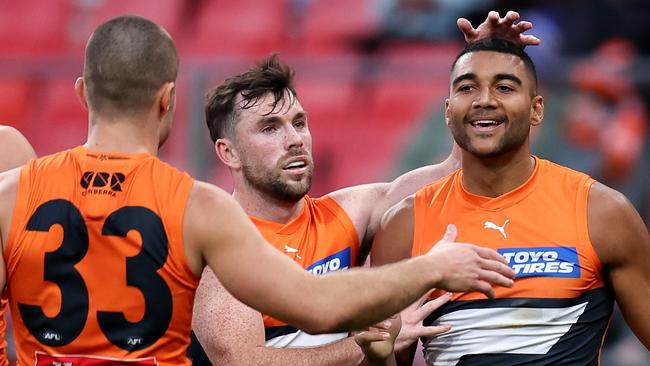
(322, 240)
(96, 266)
(558, 310)
(4, 360)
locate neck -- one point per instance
(136, 134)
(263, 206)
(493, 177)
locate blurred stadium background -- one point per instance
(372, 75)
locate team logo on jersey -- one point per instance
(102, 183)
(335, 262)
(292, 250)
(501, 229)
(543, 261)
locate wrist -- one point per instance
(429, 267)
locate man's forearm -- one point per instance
(393, 287)
(340, 353)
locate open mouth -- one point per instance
(300, 164)
(486, 125)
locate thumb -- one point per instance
(450, 234)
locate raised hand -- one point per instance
(496, 27)
(378, 342)
(412, 317)
(467, 268)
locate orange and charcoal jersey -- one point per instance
(4, 359)
(322, 239)
(96, 266)
(559, 307)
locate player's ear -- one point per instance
(165, 98)
(537, 111)
(447, 120)
(80, 91)
(227, 153)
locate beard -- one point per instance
(512, 140)
(272, 184)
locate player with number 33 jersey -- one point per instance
(96, 261)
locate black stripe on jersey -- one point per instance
(596, 295)
(196, 353)
(273, 332)
(580, 346)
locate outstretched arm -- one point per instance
(232, 334)
(366, 204)
(218, 231)
(496, 27)
(622, 243)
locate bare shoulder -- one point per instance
(9, 132)
(208, 207)
(359, 199)
(9, 181)
(402, 212)
(15, 150)
(209, 214)
(615, 228)
(205, 195)
(359, 203)
(394, 238)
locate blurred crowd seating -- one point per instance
(42, 43)
(372, 95)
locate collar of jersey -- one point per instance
(278, 228)
(118, 156)
(503, 201)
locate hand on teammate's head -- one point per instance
(496, 27)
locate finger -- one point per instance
(511, 17)
(432, 305)
(386, 324)
(487, 253)
(422, 299)
(530, 40)
(450, 234)
(523, 26)
(494, 266)
(485, 288)
(495, 278)
(370, 336)
(493, 18)
(430, 331)
(466, 27)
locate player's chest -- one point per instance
(318, 250)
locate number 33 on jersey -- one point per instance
(96, 263)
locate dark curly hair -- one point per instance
(270, 76)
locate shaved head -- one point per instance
(127, 60)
